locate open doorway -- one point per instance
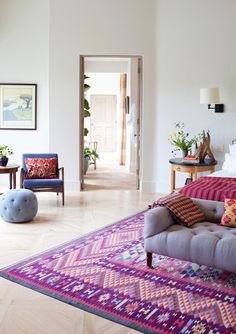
(113, 126)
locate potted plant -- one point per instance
(86, 104)
(5, 151)
(181, 141)
(89, 156)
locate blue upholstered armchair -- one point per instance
(40, 172)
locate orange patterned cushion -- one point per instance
(41, 168)
(182, 208)
(229, 216)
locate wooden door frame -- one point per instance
(139, 113)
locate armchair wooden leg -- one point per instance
(21, 178)
(63, 197)
(149, 260)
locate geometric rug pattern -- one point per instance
(105, 273)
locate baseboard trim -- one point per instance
(155, 187)
(73, 186)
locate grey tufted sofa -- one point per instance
(204, 243)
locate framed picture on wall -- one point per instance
(18, 106)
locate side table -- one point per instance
(10, 169)
(193, 168)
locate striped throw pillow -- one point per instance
(182, 208)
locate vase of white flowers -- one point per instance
(5, 151)
(181, 140)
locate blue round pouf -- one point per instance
(18, 205)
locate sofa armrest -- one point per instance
(156, 220)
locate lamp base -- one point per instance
(218, 107)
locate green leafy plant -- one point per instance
(86, 103)
(181, 140)
(5, 151)
(90, 154)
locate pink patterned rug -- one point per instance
(105, 273)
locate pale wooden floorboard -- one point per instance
(24, 311)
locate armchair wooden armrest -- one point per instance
(61, 172)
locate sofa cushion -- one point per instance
(183, 209)
(229, 216)
(41, 168)
(203, 243)
(42, 183)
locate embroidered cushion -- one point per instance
(41, 168)
(229, 216)
(182, 208)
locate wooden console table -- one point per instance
(192, 168)
(10, 169)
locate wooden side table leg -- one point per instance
(212, 170)
(172, 187)
(14, 180)
(10, 180)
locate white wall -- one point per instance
(131, 119)
(91, 27)
(185, 45)
(24, 55)
(106, 65)
(195, 48)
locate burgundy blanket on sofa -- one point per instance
(211, 188)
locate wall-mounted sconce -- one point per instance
(211, 96)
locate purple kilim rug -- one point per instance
(105, 273)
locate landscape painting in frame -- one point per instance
(18, 104)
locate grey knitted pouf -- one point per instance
(18, 205)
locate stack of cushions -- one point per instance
(229, 164)
(41, 168)
(183, 210)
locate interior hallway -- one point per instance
(109, 177)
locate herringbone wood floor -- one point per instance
(23, 311)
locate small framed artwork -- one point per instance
(18, 106)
